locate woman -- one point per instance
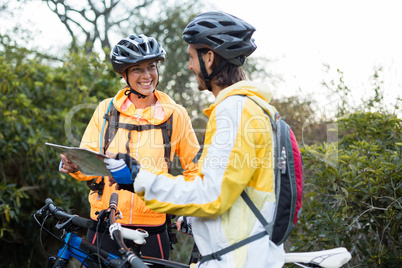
(145, 117)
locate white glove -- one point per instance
(120, 171)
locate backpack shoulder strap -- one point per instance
(98, 187)
(270, 118)
(112, 116)
(268, 227)
(268, 230)
(217, 255)
(167, 129)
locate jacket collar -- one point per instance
(152, 115)
(261, 93)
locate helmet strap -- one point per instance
(131, 90)
(208, 78)
(157, 70)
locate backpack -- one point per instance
(288, 182)
(288, 172)
(112, 117)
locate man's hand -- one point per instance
(124, 169)
(120, 171)
(66, 166)
(183, 224)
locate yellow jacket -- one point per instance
(237, 156)
(145, 146)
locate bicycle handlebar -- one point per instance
(61, 215)
(114, 200)
(115, 231)
(326, 258)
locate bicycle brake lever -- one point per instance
(119, 215)
(40, 211)
(117, 262)
(63, 225)
(64, 233)
(103, 214)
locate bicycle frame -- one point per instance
(91, 256)
(76, 247)
(83, 251)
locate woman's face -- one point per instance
(143, 76)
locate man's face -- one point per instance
(194, 65)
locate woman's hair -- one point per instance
(229, 74)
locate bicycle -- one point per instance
(92, 256)
(88, 254)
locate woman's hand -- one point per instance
(66, 166)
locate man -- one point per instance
(237, 152)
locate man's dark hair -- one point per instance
(229, 74)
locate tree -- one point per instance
(353, 187)
(176, 79)
(96, 19)
(354, 193)
(301, 116)
(35, 100)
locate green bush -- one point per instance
(45, 100)
(353, 192)
(37, 94)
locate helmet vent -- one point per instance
(227, 23)
(191, 33)
(234, 47)
(143, 47)
(207, 24)
(151, 44)
(237, 34)
(125, 54)
(215, 40)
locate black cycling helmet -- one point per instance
(133, 49)
(225, 34)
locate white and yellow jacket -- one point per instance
(237, 156)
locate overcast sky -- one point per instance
(354, 36)
(299, 36)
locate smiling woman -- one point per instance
(143, 125)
